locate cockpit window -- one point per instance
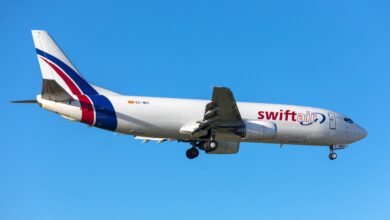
(348, 120)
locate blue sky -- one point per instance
(330, 54)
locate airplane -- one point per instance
(216, 126)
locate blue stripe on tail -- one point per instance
(105, 113)
(84, 86)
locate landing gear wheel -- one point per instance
(192, 153)
(332, 156)
(213, 145)
(210, 146)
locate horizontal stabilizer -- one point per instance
(32, 101)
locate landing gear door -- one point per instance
(332, 120)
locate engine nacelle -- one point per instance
(225, 147)
(259, 130)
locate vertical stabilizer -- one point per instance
(58, 72)
(62, 82)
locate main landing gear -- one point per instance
(332, 155)
(211, 145)
(207, 146)
(192, 153)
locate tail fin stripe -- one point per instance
(87, 109)
(85, 87)
(72, 86)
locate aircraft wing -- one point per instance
(221, 115)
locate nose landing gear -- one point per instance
(332, 155)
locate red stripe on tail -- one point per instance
(75, 90)
(88, 115)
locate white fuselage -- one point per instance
(216, 126)
(165, 117)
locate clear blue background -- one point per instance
(331, 54)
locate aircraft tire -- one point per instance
(332, 156)
(192, 153)
(211, 145)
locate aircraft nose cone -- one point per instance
(360, 133)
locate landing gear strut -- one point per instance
(332, 155)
